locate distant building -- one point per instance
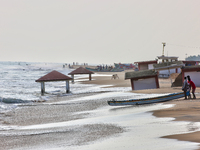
(167, 68)
(168, 65)
(190, 63)
(146, 65)
(167, 58)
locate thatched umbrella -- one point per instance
(81, 70)
(52, 77)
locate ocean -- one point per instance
(141, 130)
(17, 80)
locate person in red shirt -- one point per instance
(191, 84)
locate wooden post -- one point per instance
(42, 88)
(67, 86)
(90, 77)
(138, 66)
(132, 84)
(72, 78)
(157, 82)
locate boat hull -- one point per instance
(147, 100)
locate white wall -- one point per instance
(195, 77)
(167, 71)
(179, 70)
(141, 84)
(150, 66)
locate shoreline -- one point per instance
(183, 110)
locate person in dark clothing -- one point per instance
(185, 87)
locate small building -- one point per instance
(167, 68)
(167, 58)
(145, 65)
(81, 70)
(145, 79)
(52, 77)
(193, 72)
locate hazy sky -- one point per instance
(98, 31)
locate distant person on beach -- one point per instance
(192, 85)
(185, 87)
(115, 76)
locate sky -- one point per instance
(98, 31)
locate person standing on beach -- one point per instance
(185, 87)
(191, 84)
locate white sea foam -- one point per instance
(143, 129)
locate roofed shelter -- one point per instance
(145, 79)
(167, 68)
(146, 65)
(52, 77)
(81, 70)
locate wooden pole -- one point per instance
(157, 82)
(42, 88)
(72, 78)
(132, 84)
(67, 86)
(163, 48)
(90, 77)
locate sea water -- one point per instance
(17, 82)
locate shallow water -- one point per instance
(143, 131)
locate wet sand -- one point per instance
(184, 110)
(68, 111)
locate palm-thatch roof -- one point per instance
(140, 74)
(54, 76)
(81, 70)
(147, 62)
(168, 65)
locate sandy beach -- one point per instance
(184, 110)
(69, 121)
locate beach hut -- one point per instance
(145, 79)
(165, 69)
(193, 72)
(81, 70)
(146, 65)
(52, 77)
